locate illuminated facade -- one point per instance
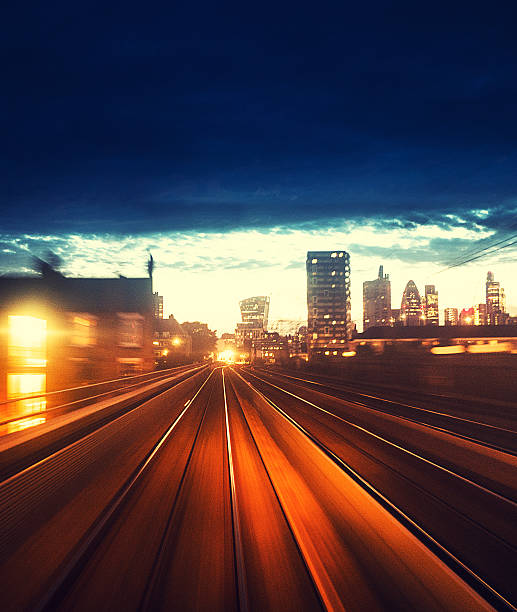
(467, 316)
(328, 302)
(65, 332)
(271, 348)
(411, 306)
(430, 304)
(254, 315)
(377, 301)
(480, 315)
(450, 316)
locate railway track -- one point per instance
(217, 498)
(445, 418)
(474, 522)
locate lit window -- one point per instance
(341, 255)
(20, 385)
(27, 332)
(327, 316)
(314, 261)
(27, 341)
(334, 255)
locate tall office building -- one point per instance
(377, 301)
(450, 316)
(254, 315)
(430, 305)
(495, 301)
(328, 302)
(411, 307)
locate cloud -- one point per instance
(204, 275)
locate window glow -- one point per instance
(27, 332)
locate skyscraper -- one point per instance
(328, 301)
(377, 301)
(495, 301)
(254, 314)
(411, 306)
(431, 305)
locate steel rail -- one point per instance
(92, 538)
(146, 602)
(453, 562)
(148, 375)
(395, 445)
(87, 398)
(324, 600)
(240, 566)
(450, 432)
(397, 403)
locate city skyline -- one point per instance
(236, 264)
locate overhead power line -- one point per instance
(482, 254)
(474, 252)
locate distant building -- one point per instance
(467, 316)
(480, 314)
(157, 306)
(254, 315)
(411, 314)
(430, 304)
(171, 341)
(286, 327)
(377, 301)
(395, 320)
(450, 316)
(328, 301)
(495, 301)
(271, 348)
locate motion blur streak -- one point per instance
(241, 505)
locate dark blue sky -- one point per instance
(138, 117)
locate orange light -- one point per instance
(448, 350)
